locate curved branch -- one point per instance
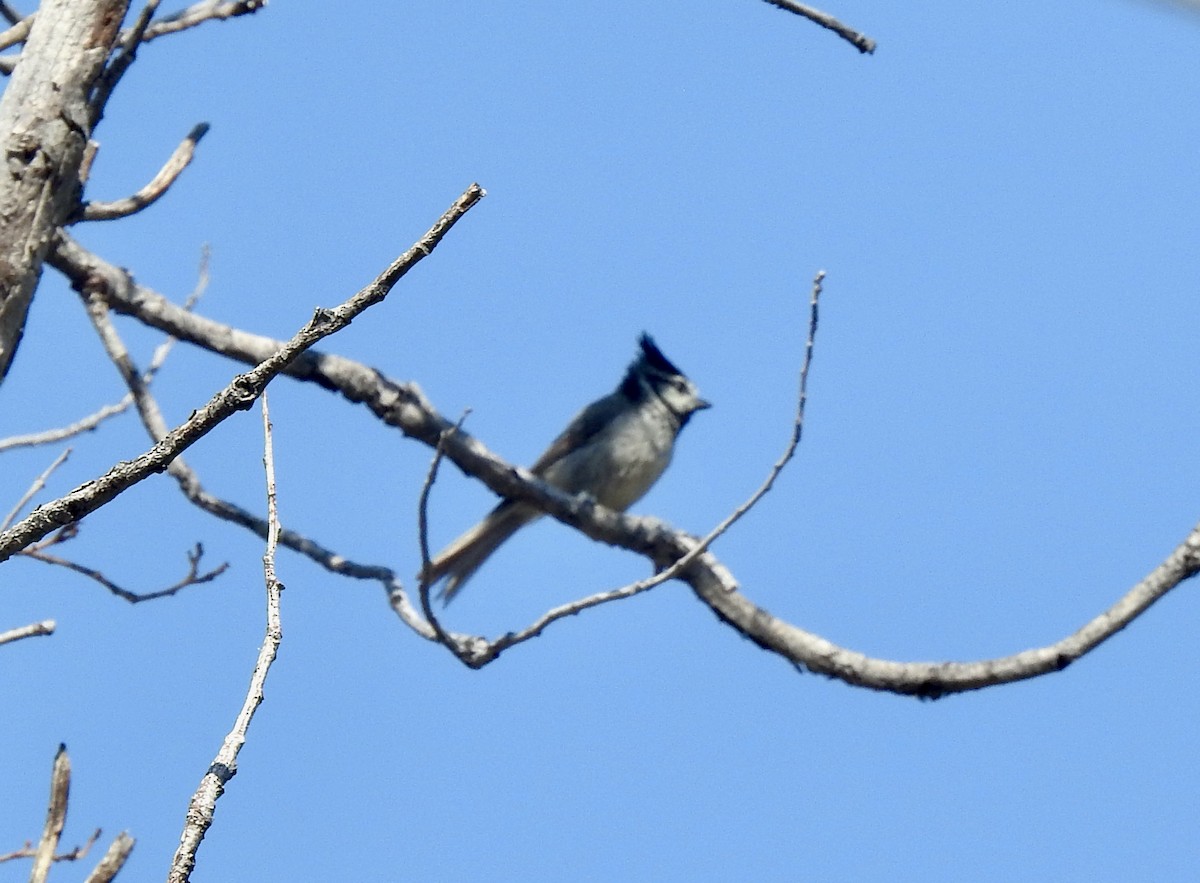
(861, 42)
(487, 651)
(197, 14)
(405, 407)
(148, 195)
(931, 680)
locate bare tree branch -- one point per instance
(239, 395)
(157, 360)
(198, 13)
(74, 855)
(106, 869)
(87, 424)
(56, 816)
(148, 195)
(50, 436)
(17, 33)
(405, 407)
(91, 421)
(465, 647)
(203, 804)
(193, 577)
(861, 42)
(33, 630)
(194, 491)
(109, 410)
(483, 652)
(124, 54)
(931, 680)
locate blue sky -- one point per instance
(1001, 440)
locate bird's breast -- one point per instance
(620, 464)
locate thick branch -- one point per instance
(44, 125)
(405, 407)
(933, 679)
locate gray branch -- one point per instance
(405, 407)
(239, 395)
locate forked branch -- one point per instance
(237, 396)
(405, 407)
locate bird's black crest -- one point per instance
(654, 357)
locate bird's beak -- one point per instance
(701, 404)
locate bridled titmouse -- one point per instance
(614, 450)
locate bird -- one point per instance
(613, 451)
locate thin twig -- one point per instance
(74, 855)
(38, 484)
(451, 642)
(50, 436)
(33, 630)
(861, 42)
(192, 578)
(10, 14)
(239, 395)
(203, 804)
(148, 195)
(56, 816)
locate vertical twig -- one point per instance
(423, 585)
(56, 816)
(224, 767)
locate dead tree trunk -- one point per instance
(46, 118)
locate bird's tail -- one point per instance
(459, 560)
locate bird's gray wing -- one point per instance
(587, 424)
